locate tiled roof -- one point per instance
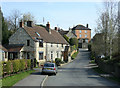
(63, 32)
(14, 47)
(54, 37)
(80, 27)
(3, 48)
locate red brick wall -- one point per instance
(77, 32)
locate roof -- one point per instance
(3, 48)
(80, 27)
(14, 47)
(54, 37)
(63, 32)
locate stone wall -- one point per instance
(21, 37)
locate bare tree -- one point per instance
(13, 19)
(28, 17)
(107, 24)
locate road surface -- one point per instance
(78, 73)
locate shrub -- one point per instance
(22, 64)
(89, 47)
(16, 65)
(28, 63)
(74, 55)
(8, 67)
(74, 41)
(58, 61)
(66, 38)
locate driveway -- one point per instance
(78, 73)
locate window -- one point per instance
(5, 54)
(85, 31)
(80, 31)
(85, 36)
(28, 42)
(11, 56)
(62, 45)
(86, 40)
(40, 55)
(51, 45)
(28, 56)
(41, 43)
(51, 55)
(80, 35)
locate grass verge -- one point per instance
(74, 55)
(11, 80)
(113, 78)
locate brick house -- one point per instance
(38, 42)
(83, 35)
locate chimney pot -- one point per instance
(87, 25)
(56, 28)
(48, 27)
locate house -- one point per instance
(37, 42)
(4, 53)
(83, 35)
(68, 33)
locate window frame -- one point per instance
(41, 58)
(80, 35)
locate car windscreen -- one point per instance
(48, 65)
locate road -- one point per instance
(78, 73)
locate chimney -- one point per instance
(48, 27)
(29, 23)
(21, 24)
(87, 25)
(56, 29)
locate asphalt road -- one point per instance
(78, 73)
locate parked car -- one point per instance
(49, 68)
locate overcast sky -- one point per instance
(61, 14)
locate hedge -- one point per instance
(14, 66)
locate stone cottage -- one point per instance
(37, 42)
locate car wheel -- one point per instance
(55, 73)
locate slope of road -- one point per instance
(78, 73)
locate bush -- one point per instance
(22, 64)
(8, 67)
(58, 61)
(89, 47)
(16, 65)
(74, 55)
(74, 41)
(28, 63)
(66, 38)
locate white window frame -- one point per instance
(80, 31)
(80, 35)
(85, 36)
(85, 31)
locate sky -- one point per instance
(60, 14)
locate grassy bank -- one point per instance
(113, 78)
(74, 55)
(11, 80)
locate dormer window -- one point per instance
(41, 43)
